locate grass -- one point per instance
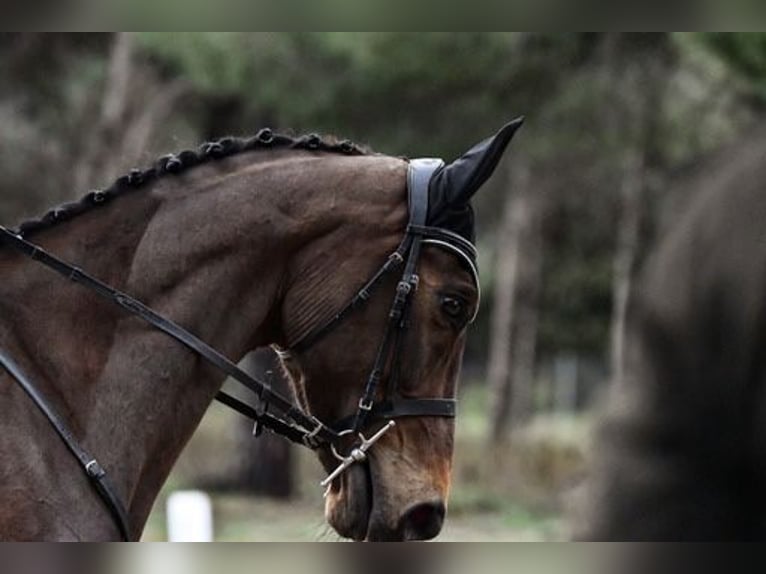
(241, 518)
(509, 492)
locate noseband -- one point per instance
(274, 411)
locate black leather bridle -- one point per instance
(274, 411)
(417, 234)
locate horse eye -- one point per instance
(453, 306)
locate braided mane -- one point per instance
(175, 164)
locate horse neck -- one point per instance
(199, 254)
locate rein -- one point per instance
(291, 422)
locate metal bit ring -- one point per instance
(358, 454)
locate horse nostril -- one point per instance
(424, 521)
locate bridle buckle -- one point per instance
(260, 411)
(366, 404)
(310, 438)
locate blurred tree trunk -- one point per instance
(134, 103)
(515, 312)
(629, 225)
(267, 461)
(100, 152)
(641, 75)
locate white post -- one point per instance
(190, 517)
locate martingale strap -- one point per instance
(93, 470)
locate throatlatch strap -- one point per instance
(363, 295)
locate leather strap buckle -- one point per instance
(94, 469)
(366, 404)
(310, 438)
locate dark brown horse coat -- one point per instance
(681, 454)
(255, 247)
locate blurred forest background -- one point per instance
(616, 124)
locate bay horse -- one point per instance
(681, 450)
(179, 270)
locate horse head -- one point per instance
(403, 362)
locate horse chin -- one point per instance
(348, 509)
(362, 506)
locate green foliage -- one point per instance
(745, 54)
(576, 303)
(422, 94)
(214, 62)
(373, 85)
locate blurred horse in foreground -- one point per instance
(681, 452)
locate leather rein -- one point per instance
(275, 412)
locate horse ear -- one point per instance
(456, 183)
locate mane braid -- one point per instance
(175, 164)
